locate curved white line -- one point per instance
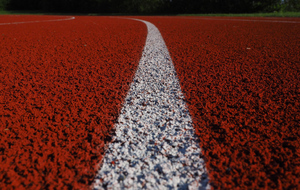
(37, 21)
(155, 146)
(246, 20)
(234, 19)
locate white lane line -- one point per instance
(155, 146)
(247, 20)
(37, 21)
(229, 19)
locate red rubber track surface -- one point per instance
(241, 81)
(29, 18)
(61, 89)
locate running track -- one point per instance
(239, 77)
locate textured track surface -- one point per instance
(62, 85)
(18, 19)
(241, 81)
(61, 89)
(155, 146)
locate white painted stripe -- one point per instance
(37, 21)
(229, 19)
(155, 146)
(246, 20)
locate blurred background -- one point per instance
(151, 6)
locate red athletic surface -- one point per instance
(29, 18)
(61, 89)
(242, 84)
(61, 85)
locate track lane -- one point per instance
(155, 146)
(38, 21)
(61, 89)
(241, 83)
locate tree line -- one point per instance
(151, 6)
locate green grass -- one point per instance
(4, 12)
(274, 14)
